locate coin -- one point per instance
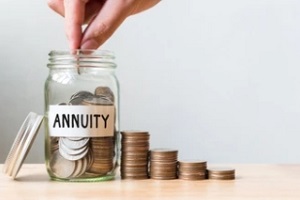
(221, 173)
(74, 144)
(192, 177)
(72, 152)
(134, 148)
(163, 164)
(85, 163)
(82, 94)
(105, 91)
(97, 101)
(78, 169)
(60, 166)
(68, 156)
(163, 154)
(221, 170)
(134, 157)
(163, 177)
(192, 169)
(103, 149)
(54, 144)
(232, 177)
(78, 97)
(192, 163)
(134, 176)
(135, 134)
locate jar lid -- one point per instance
(22, 144)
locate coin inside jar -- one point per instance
(105, 91)
(60, 166)
(74, 144)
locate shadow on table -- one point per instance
(33, 178)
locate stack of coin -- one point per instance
(221, 173)
(192, 170)
(134, 155)
(163, 164)
(103, 149)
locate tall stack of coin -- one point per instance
(192, 170)
(134, 154)
(221, 173)
(103, 154)
(103, 148)
(163, 164)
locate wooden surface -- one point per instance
(252, 182)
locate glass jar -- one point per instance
(82, 116)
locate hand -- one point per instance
(102, 16)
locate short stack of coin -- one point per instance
(163, 164)
(134, 154)
(221, 173)
(192, 170)
(103, 154)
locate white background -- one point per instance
(217, 80)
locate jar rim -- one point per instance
(81, 58)
(82, 52)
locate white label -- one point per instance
(81, 121)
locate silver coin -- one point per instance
(90, 159)
(71, 152)
(77, 144)
(54, 144)
(84, 166)
(97, 101)
(60, 166)
(81, 167)
(83, 94)
(79, 164)
(76, 138)
(76, 101)
(78, 97)
(73, 157)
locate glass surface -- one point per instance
(81, 116)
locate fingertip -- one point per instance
(90, 44)
(73, 34)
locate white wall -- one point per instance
(218, 79)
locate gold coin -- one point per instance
(105, 91)
(221, 171)
(163, 177)
(221, 177)
(192, 177)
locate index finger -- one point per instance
(74, 18)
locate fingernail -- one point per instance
(90, 44)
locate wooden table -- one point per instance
(252, 182)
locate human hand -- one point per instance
(102, 16)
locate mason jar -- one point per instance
(81, 116)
